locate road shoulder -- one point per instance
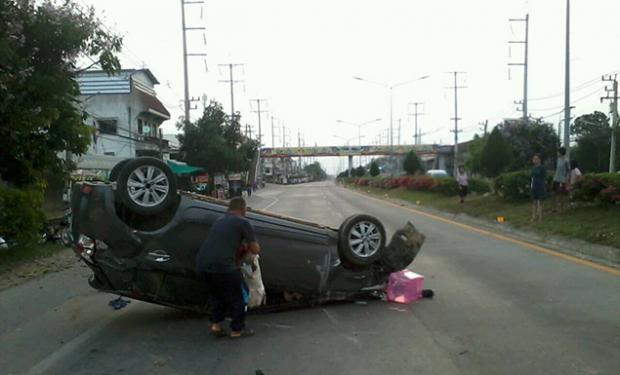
(604, 255)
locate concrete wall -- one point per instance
(119, 107)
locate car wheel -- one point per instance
(361, 239)
(117, 169)
(146, 186)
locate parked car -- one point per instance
(139, 235)
(437, 173)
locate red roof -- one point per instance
(153, 104)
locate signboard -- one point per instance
(219, 179)
(280, 152)
(234, 177)
(203, 178)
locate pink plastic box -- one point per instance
(405, 287)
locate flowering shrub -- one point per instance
(598, 187)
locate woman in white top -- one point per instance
(463, 180)
(575, 174)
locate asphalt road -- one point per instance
(499, 308)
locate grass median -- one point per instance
(595, 224)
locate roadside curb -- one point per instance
(605, 255)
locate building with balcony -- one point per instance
(125, 114)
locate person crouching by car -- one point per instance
(463, 180)
(216, 262)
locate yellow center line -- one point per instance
(487, 233)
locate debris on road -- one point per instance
(428, 293)
(119, 303)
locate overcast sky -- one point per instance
(302, 57)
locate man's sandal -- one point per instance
(246, 332)
(218, 333)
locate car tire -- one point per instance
(361, 240)
(117, 169)
(146, 186)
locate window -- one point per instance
(109, 153)
(108, 126)
(139, 126)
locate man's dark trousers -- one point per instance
(226, 297)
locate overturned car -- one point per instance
(139, 235)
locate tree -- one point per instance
(593, 136)
(315, 171)
(412, 163)
(527, 139)
(496, 155)
(374, 169)
(474, 155)
(41, 43)
(359, 171)
(216, 143)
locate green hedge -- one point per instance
(516, 186)
(446, 186)
(21, 216)
(479, 185)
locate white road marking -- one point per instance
(331, 317)
(275, 200)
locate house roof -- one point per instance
(124, 72)
(154, 105)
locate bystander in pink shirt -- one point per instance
(462, 179)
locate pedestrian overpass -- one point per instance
(425, 152)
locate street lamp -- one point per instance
(347, 142)
(391, 89)
(359, 129)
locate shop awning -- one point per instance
(181, 168)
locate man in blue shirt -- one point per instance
(216, 262)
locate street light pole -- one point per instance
(391, 93)
(359, 130)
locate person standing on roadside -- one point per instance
(463, 180)
(216, 263)
(539, 174)
(573, 177)
(560, 180)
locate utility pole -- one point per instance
(231, 67)
(613, 91)
(525, 43)
(259, 112)
(260, 134)
(484, 126)
(416, 114)
(399, 129)
(567, 107)
(299, 146)
(456, 118)
(186, 99)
